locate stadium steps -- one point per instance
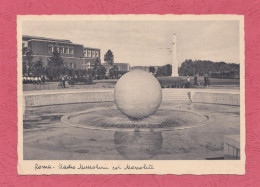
(172, 94)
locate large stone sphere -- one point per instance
(138, 94)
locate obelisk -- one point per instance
(174, 60)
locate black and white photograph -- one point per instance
(111, 94)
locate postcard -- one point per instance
(131, 94)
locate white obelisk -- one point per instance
(175, 63)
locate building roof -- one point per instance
(26, 37)
(119, 63)
(91, 48)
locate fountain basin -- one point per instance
(47, 138)
(112, 119)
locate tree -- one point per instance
(79, 73)
(116, 71)
(151, 69)
(38, 63)
(72, 72)
(39, 71)
(202, 67)
(50, 72)
(65, 71)
(97, 68)
(103, 72)
(160, 72)
(98, 62)
(113, 72)
(55, 60)
(55, 66)
(168, 69)
(38, 68)
(164, 70)
(27, 62)
(109, 57)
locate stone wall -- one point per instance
(215, 98)
(79, 96)
(232, 147)
(67, 98)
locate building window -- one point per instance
(66, 50)
(93, 53)
(72, 65)
(88, 65)
(56, 48)
(25, 44)
(97, 55)
(89, 53)
(50, 49)
(61, 50)
(71, 51)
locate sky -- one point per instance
(147, 43)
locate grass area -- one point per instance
(214, 82)
(219, 82)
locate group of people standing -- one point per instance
(196, 82)
(63, 81)
(33, 80)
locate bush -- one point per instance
(172, 82)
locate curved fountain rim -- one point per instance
(65, 119)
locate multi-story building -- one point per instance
(74, 55)
(123, 66)
(143, 68)
(91, 55)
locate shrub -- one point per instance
(172, 82)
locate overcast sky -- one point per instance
(147, 42)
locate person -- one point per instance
(34, 80)
(188, 82)
(196, 80)
(208, 83)
(63, 82)
(39, 80)
(43, 79)
(206, 80)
